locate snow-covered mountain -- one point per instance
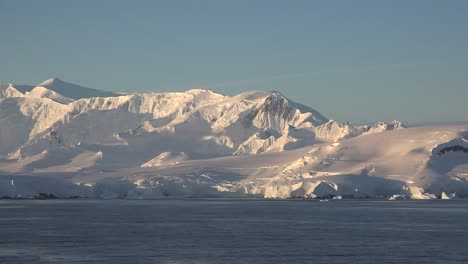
(89, 142)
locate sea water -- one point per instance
(233, 231)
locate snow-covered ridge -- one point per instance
(201, 143)
(42, 92)
(334, 131)
(166, 159)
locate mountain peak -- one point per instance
(10, 91)
(73, 91)
(50, 81)
(200, 91)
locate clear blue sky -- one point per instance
(360, 61)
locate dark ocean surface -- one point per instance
(233, 231)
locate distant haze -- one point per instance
(360, 61)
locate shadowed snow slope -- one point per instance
(199, 143)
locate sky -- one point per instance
(358, 61)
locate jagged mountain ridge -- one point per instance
(212, 124)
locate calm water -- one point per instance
(232, 231)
